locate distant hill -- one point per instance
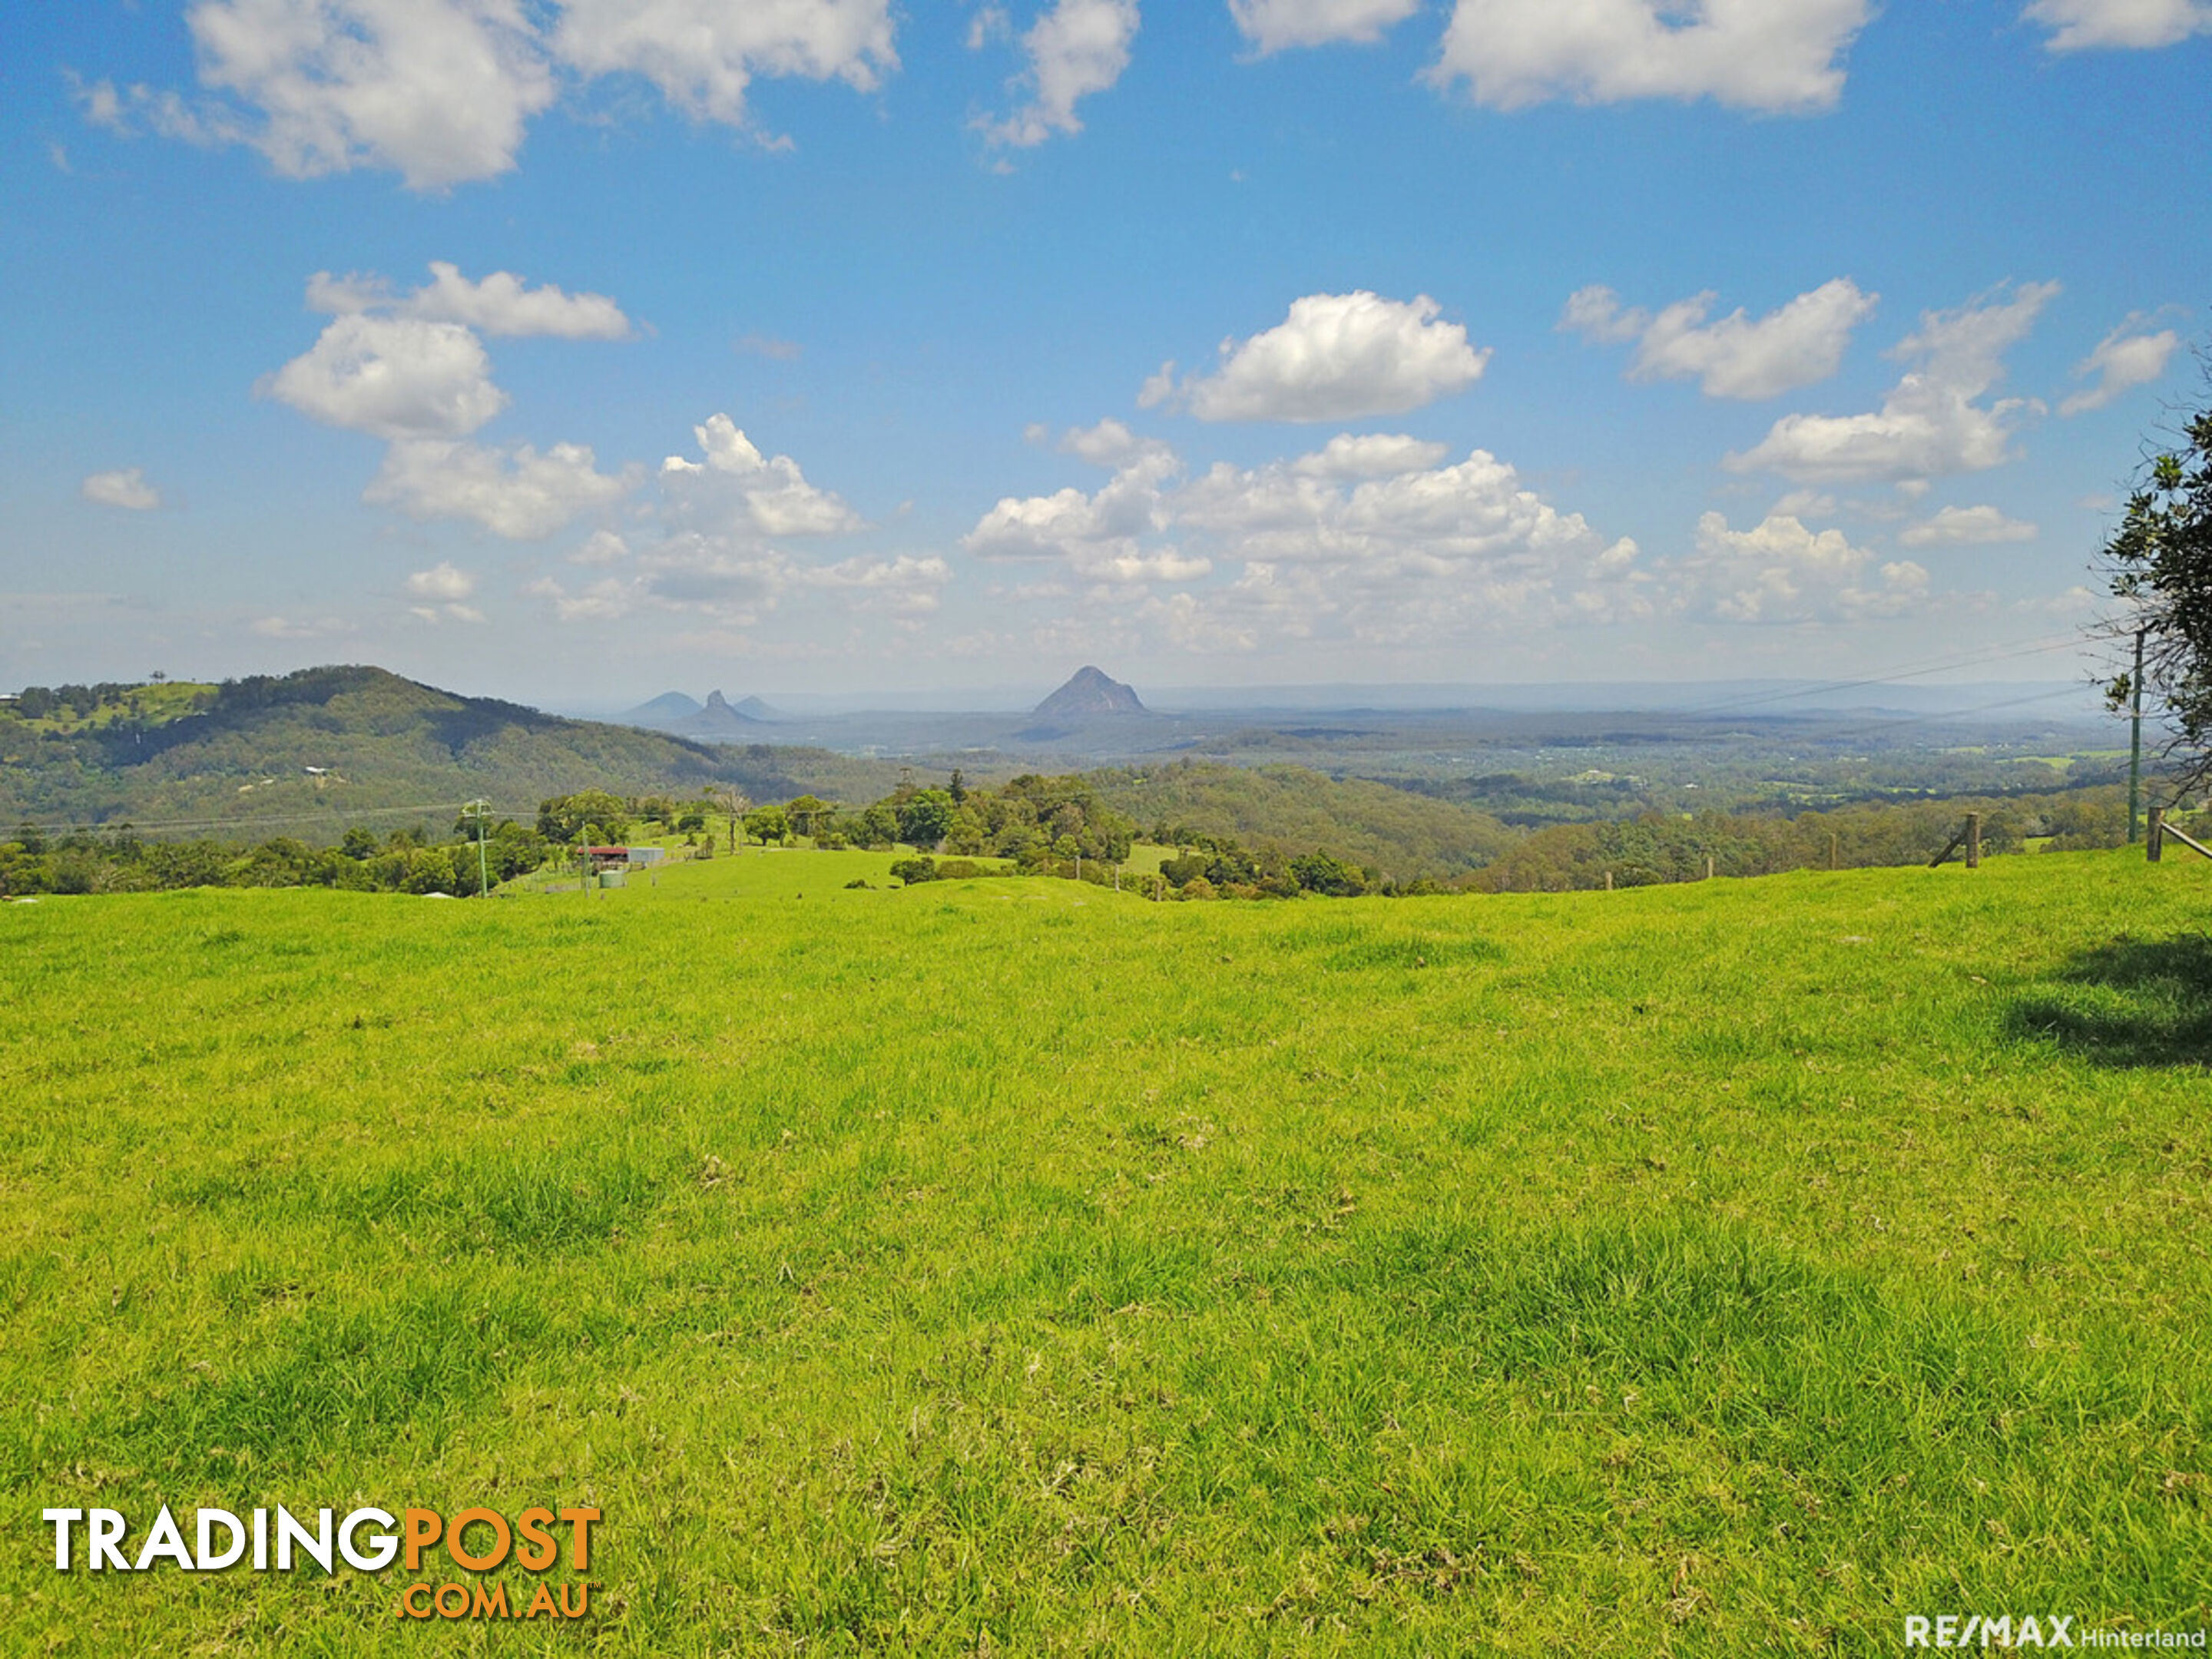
(663, 711)
(1295, 810)
(716, 723)
(716, 719)
(1088, 694)
(379, 745)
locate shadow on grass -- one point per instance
(2132, 1002)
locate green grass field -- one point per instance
(755, 873)
(769, 872)
(1005, 1266)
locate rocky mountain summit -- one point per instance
(1089, 693)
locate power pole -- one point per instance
(2135, 748)
(479, 811)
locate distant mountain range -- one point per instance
(716, 719)
(2073, 697)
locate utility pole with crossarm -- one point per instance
(478, 811)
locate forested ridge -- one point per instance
(1292, 808)
(240, 753)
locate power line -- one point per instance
(1975, 658)
(1889, 724)
(245, 823)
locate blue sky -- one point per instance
(574, 351)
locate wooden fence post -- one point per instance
(1709, 866)
(2180, 835)
(1608, 881)
(1974, 840)
(1949, 847)
(1831, 850)
(2155, 842)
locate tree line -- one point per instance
(1031, 820)
(1049, 826)
(398, 861)
(1660, 848)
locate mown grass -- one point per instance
(1002, 1266)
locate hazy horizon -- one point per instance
(1579, 697)
(2072, 698)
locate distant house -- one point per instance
(625, 858)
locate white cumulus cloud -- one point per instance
(1369, 455)
(601, 547)
(2124, 359)
(1421, 517)
(1780, 571)
(443, 91)
(411, 368)
(1098, 534)
(1967, 526)
(1796, 345)
(1370, 537)
(1805, 504)
(445, 591)
(1110, 444)
(125, 488)
(703, 54)
(394, 377)
(604, 600)
(1273, 25)
(443, 582)
(1770, 55)
(907, 585)
(502, 304)
(1335, 358)
(514, 492)
(2080, 25)
(777, 498)
(163, 112)
(440, 90)
(733, 582)
(1931, 424)
(1415, 558)
(287, 628)
(1077, 48)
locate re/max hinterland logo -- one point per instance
(368, 1540)
(1974, 1630)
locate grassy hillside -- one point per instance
(383, 743)
(1003, 1267)
(44, 710)
(1294, 810)
(1658, 848)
